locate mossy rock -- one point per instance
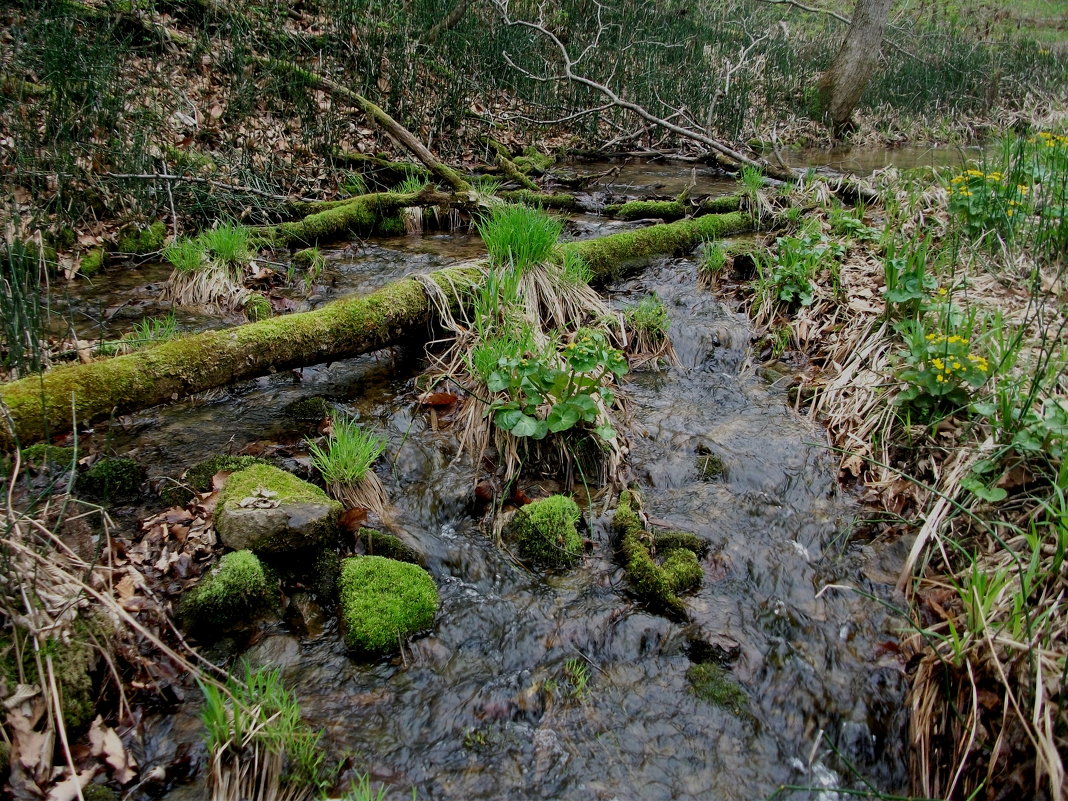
(715, 685)
(99, 792)
(545, 531)
(239, 588)
(657, 581)
(140, 241)
(112, 479)
(383, 601)
(42, 456)
(709, 465)
(308, 410)
(288, 514)
(92, 261)
(198, 478)
(378, 543)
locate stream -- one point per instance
(485, 706)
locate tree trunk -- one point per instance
(841, 86)
(44, 405)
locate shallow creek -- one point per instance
(484, 706)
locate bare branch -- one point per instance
(156, 176)
(795, 4)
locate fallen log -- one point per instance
(672, 209)
(41, 406)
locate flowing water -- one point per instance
(490, 704)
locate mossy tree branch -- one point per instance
(47, 404)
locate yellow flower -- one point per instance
(939, 379)
(1010, 212)
(942, 290)
(956, 365)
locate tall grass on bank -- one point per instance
(23, 307)
(946, 389)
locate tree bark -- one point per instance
(44, 405)
(842, 85)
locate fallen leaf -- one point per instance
(70, 788)
(439, 399)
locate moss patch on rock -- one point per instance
(384, 601)
(239, 588)
(378, 543)
(43, 455)
(545, 531)
(198, 478)
(657, 581)
(92, 262)
(112, 479)
(307, 410)
(140, 241)
(257, 307)
(715, 685)
(709, 465)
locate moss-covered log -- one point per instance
(364, 215)
(673, 209)
(49, 403)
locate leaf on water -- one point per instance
(105, 742)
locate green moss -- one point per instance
(392, 225)
(257, 307)
(74, 661)
(239, 588)
(658, 584)
(383, 601)
(92, 262)
(611, 256)
(714, 685)
(308, 410)
(142, 241)
(646, 209)
(379, 543)
(43, 455)
(112, 478)
(533, 162)
(99, 792)
(672, 540)
(198, 478)
(541, 200)
(545, 531)
(709, 465)
(288, 487)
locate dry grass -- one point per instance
(987, 581)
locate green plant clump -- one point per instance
(714, 685)
(112, 478)
(239, 588)
(546, 533)
(384, 601)
(228, 242)
(185, 255)
(348, 456)
(649, 316)
(519, 236)
(257, 307)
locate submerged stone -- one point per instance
(656, 580)
(545, 531)
(383, 601)
(239, 588)
(268, 510)
(715, 685)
